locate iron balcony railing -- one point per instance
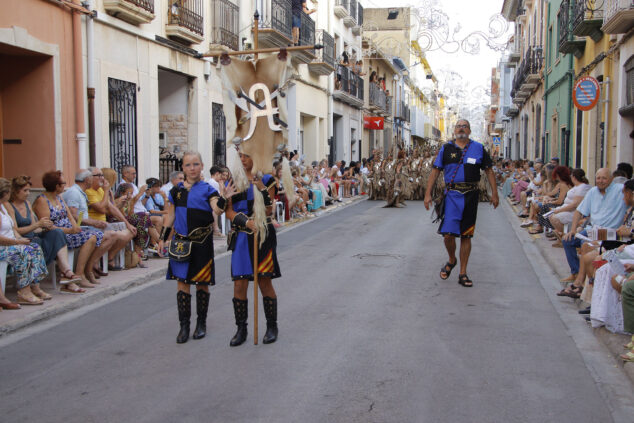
(531, 65)
(378, 98)
(612, 7)
(143, 4)
(564, 23)
(306, 30)
(349, 82)
(327, 54)
(352, 8)
(585, 10)
(276, 15)
(359, 14)
(187, 14)
(225, 24)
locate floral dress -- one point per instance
(59, 217)
(27, 261)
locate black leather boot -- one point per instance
(241, 312)
(184, 301)
(202, 305)
(270, 311)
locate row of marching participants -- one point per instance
(188, 226)
(400, 177)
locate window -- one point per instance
(550, 46)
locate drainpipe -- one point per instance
(90, 77)
(606, 104)
(78, 72)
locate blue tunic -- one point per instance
(242, 247)
(461, 208)
(192, 211)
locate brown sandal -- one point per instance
(30, 300)
(72, 290)
(68, 277)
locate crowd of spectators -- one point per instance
(594, 226)
(103, 216)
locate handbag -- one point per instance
(439, 201)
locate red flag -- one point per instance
(373, 122)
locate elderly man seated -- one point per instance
(99, 207)
(77, 202)
(604, 206)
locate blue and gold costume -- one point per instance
(461, 201)
(193, 212)
(242, 244)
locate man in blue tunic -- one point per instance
(461, 160)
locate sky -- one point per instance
(461, 18)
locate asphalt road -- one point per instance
(368, 333)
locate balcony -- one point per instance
(379, 101)
(356, 30)
(348, 87)
(306, 38)
(568, 43)
(513, 111)
(324, 62)
(351, 20)
(341, 8)
(588, 18)
(618, 17)
(276, 18)
(225, 29)
(185, 21)
(132, 11)
(528, 77)
(402, 111)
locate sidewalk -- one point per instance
(118, 282)
(556, 258)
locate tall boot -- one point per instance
(184, 301)
(202, 305)
(270, 311)
(241, 312)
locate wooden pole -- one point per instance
(256, 24)
(256, 298)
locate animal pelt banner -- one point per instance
(255, 106)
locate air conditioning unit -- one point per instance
(163, 139)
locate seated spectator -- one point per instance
(154, 202)
(590, 250)
(547, 191)
(605, 207)
(626, 289)
(51, 205)
(140, 217)
(561, 177)
(51, 240)
(175, 177)
(77, 202)
(619, 176)
(100, 206)
(563, 214)
(25, 257)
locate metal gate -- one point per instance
(123, 128)
(219, 134)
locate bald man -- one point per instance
(604, 206)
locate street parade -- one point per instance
(317, 211)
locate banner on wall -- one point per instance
(373, 122)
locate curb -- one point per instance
(93, 297)
(612, 341)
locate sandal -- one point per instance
(535, 231)
(572, 291)
(113, 267)
(68, 277)
(465, 281)
(446, 269)
(72, 289)
(42, 295)
(99, 273)
(628, 356)
(29, 300)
